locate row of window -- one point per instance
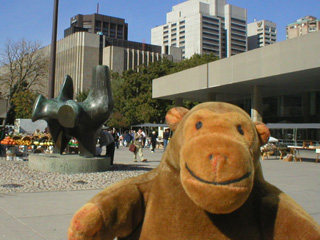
(239, 46)
(243, 42)
(235, 51)
(238, 25)
(207, 50)
(239, 31)
(238, 21)
(215, 40)
(270, 29)
(174, 34)
(204, 28)
(174, 30)
(173, 41)
(210, 19)
(174, 25)
(210, 46)
(210, 24)
(238, 36)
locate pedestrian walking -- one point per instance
(139, 142)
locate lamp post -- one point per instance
(53, 49)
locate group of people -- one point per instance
(110, 140)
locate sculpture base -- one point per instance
(68, 163)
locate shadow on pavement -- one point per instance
(129, 167)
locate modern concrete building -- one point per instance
(101, 24)
(273, 83)
(78, 53)
(204, 26)
(302, 26)
(261, 33)
(121, 55)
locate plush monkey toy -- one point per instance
(209, 185)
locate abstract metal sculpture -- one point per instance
(67, 118)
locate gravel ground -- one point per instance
(15, 176)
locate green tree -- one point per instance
(194, 61)
(132, 92)
(23, 101)
(82, 95)
(118, 121)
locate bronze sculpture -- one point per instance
(67, 118)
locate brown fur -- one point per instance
(209, 185)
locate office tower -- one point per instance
(302, 26)
(204, 26)
(261, 33)
(101, 24)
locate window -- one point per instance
(239, 21)
(211, 24)
(86, 25)
(210, 19)
(105, 27)
(98, 25)
(210, 29)
(210, 40)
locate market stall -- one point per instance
(19, 147)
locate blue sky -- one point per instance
(32, 19)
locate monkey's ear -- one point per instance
(174, 116)
(263, 131)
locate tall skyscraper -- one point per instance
(204, 26)
(261, 33)
(303, 26)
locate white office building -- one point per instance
(261, 33)
(203, 26)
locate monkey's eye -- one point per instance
(198, 125)
(240, 130)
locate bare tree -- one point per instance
(24, 66)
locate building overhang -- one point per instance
(288, 67)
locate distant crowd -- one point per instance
(111, 139)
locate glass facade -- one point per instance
(294, 108)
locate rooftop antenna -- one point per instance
(97, 8)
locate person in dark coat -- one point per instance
(106, 139)
(153, 138)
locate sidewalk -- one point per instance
(46, 215)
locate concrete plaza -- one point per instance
(46, 215)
